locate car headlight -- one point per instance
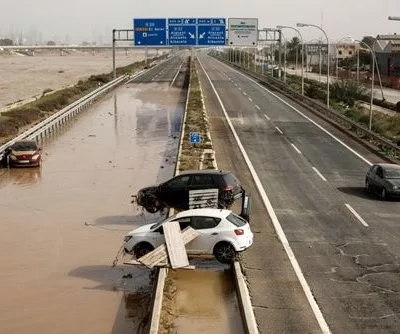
(127, 238)
(396, 187)
(13, 157)
(35, 157)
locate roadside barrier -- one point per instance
(56, 120)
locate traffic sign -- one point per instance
(182, 31)
(150, 32)
(211, 32)
(194, 137)
(243, 32)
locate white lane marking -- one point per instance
(244, 93)
(278, 228)
(319, 174)
(295, 148)
(306, 117)
(257, 107)
(266, 116)
(279, 130)
(176, 75)
(354, 212)
(250, 99)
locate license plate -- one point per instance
(23, 161)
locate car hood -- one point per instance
(23, 152)
(395, 182)
(142, 229)
(147, 190)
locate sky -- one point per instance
(75, 21)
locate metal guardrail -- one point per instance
(388, 148)
(43, 128)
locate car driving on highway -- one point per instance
(384, 180)
(23, 153)
(174, 193)
(222, 234)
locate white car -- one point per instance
(222, 234)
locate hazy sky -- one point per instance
(78, 20)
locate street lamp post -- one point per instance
(302, 54)
(327, 41)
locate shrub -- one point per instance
(347, 91)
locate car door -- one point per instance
(175, 192)
(209, 234)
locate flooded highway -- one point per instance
(62, 225)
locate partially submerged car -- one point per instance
(174, 193)
(384, 180)
(23, 153)
(222, 234)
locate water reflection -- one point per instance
(20, 176)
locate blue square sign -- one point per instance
(150, 32)
(182, 31)
(194, 137)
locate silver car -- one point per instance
(384, 180)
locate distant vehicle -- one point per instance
(222, 234)
(384, 180)
(174, 193)
(24, 153)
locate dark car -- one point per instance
(174, 193)
(24, 153)
(384, 180)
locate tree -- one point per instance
(6, 41)
(51, 43)
(369, 40)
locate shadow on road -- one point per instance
(356, 191)
(362, 193)
(135, 285)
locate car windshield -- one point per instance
(236, 220)
(24, 146)
(392, 173)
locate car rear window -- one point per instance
(231, 180)
(236, 220)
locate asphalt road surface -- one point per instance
(345, 240)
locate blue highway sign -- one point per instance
(211, 31)
(151, 32)
(182, 31)
(194, 137)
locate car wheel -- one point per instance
(224, 252)
(383, 194)
(142, 249)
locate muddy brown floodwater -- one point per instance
(62, 225)
(23, 77)
(206, 301)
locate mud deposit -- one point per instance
(23, 77)
(62, 225)
(206, 302)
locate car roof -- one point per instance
(204, 171)
(207, 212)
(387, 165)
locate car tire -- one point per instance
(142, 249)
(151, 205)
(224, 252)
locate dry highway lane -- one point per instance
(345, 241)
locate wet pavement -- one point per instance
(63, 224)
